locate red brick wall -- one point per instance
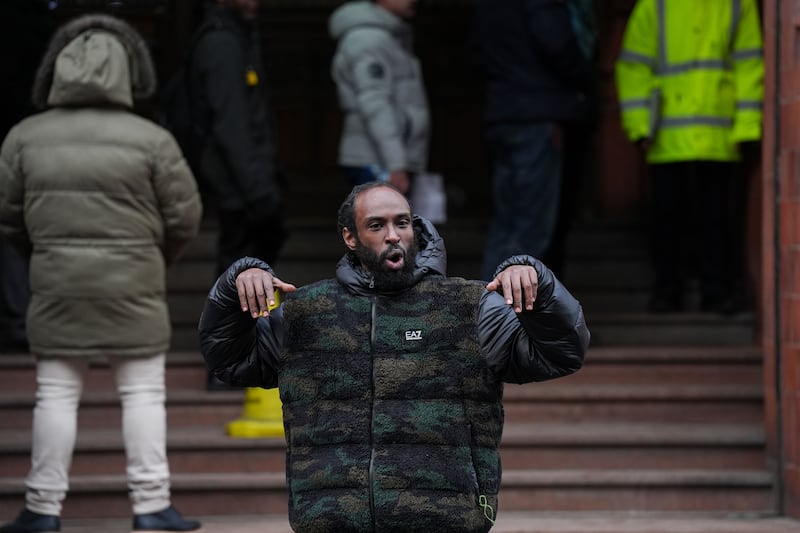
(780, 257)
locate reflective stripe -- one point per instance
(634, 103)
(665, 68)
(641, 103)
(736, 15)
(700, 64)
(662, 36)
(754, 105)
(674, 122)
(748, 53)
(635, 57)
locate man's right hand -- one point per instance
(256, 290)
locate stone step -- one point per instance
(639, 429)
(508, 522)
(685, 354)
(21, 366)
(577, 403)
(646, 354)
(191, 375)
(671, 329)
(616, 365)
(184, 370)
(608, 329)
(634, 490)
(101, 408)
(596, 273)
(635, 383)
(535, 445)
(189, 283)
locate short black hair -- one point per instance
(347, 211)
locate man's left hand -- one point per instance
(518, 284)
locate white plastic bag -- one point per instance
(428, 197)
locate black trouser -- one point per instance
(239, 237)
(698, 226)
(14, 296)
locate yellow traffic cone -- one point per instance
(262, 412)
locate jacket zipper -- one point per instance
(373, 312)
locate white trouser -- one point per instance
(140, 383)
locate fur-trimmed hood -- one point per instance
(94, 69)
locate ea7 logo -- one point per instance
(414, 335)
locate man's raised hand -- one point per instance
(518, 284)
(256, 290)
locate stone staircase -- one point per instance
(665, 418)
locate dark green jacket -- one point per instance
(393, 402)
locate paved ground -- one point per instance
(507, 523)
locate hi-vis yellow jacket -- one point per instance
(690, 78)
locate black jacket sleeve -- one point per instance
(546, 343)
(237, 348)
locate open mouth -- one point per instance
(395, 259)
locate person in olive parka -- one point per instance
(101, 201)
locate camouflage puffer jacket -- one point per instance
(392, 403)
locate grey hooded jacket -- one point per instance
(100, 198)
(381, 90)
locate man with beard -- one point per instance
(391, 375)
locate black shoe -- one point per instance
(167, 520)
(30, 522)
(215, 384)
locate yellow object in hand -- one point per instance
(270, 307)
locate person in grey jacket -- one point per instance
(391, 375)
(386, 127)
(101, 201)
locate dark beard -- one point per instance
(388, 280)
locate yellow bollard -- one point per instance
(261, 416)
(262, 412)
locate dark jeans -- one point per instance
(698, 226)
(526, 187)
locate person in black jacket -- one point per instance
(237, 164)
(536, 59)
(238, 158)
(391, 374)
